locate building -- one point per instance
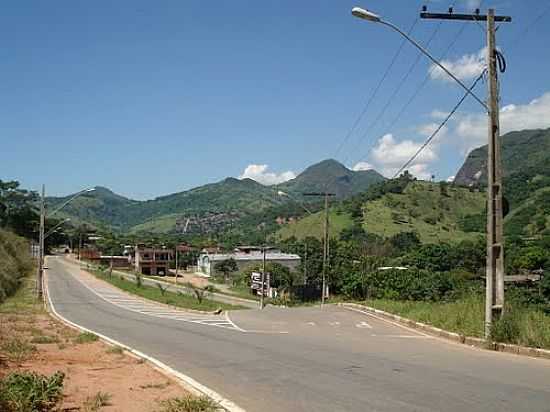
(151, 261)
(245, 256)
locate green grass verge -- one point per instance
(170, 298)
(521, 325)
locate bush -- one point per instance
(30, 392)
(16, 263)
(411, 284)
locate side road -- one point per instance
(233, 300)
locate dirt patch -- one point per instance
(36, 342)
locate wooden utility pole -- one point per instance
(263, 278)
(176, 276)
(494, 284)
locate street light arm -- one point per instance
(55, 228)
(434, 60)
(69, 201)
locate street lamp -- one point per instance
(42, 237)
(372, 17)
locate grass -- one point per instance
(96, 402)
(156, 385)
(86, 337)
(521, 325)
(115, 350)
(189, 404)
(17, 349)
(166, 297)
(313, 226)
(29, 392)
(44, 339)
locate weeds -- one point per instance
(30, 392)
(139, 280)
(189, 404)
(17, 349)
(96, 402)
(116, 350)
(155, 385)
(86, 337)
(44, 339)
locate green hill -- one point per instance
(332, 176)
(437, 212)
(526, 165)
(212, 207)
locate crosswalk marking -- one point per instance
(136, 304)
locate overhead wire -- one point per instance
(438, 129)
(395, 92)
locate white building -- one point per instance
(245, 256)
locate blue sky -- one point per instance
(150, 98)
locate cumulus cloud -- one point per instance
(389, 155)
(451, 179)
(362, 166)
(471, 129)
(466, 67)
(260, 174)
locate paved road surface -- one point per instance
(309, 359)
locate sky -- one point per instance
(151, 98)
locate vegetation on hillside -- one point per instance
(15, 263)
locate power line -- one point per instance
(375, 92)
(436, 131)
(396, 91)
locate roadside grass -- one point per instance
(96, 402)
(167, 297)
(189, 404)
(17, 349)
(521, 325)
(44, 339)
(27, 391)
(115, 350)
(156, 385)
(24, 301)
(86, 337)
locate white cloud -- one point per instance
(260, 174)
(362, 166)
(466, 67)
(472, 4)
(389, 155)
(451, 179)
(471, 129)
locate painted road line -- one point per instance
(188, 382)
(363, 325)
(372, 315)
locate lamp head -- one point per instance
(365, 14)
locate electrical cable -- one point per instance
(436, 131)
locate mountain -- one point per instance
(523, 151)
(332, 176)
(526, 178)
(210, 207)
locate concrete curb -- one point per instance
(455, 337)
(187, 382)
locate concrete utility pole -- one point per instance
(176, 277)
(494, 283)
(40, 270)
(263, 277)
(326, 247)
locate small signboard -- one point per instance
(256, 283)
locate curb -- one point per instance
(452, 336)
(187, 382)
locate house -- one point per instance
(245, 256)
(150, 260)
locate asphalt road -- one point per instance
(312, 359)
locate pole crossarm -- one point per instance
(318, 194)
(463, 17)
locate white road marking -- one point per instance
(138, 305)
(334, 323)
(391, 322)
(363, 325)
(311, 323)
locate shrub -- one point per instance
(30, 392)
(16, 263)
(189, 404)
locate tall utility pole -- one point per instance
(40, 270)
(176, 276)
(494, 284)
(263, 277)
(326, 249)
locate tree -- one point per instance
(18, 209)
(226, 267)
